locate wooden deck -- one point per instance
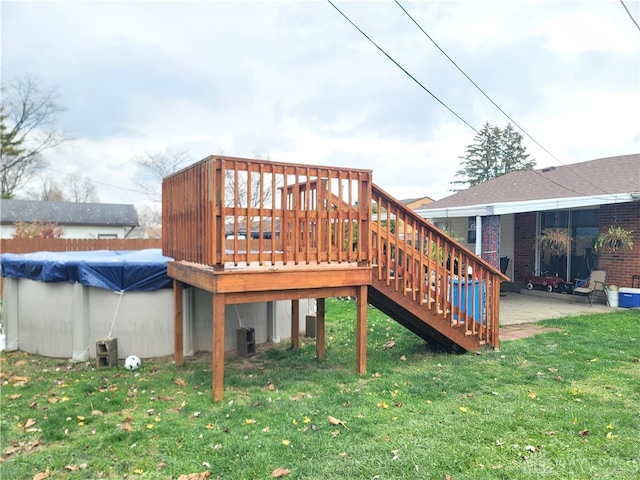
(252, 231)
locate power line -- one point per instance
(454, 113)
(630, 16)
(402, 68)
(80, 177)
(490, 99)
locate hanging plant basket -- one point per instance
(614, 239)
(555, 241)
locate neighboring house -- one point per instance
(78, 220)
(503, 216)
(146, 232)
(417, 203)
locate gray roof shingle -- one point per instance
(611, 175)
(68, 213)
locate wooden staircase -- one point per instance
(225, 218)
(428, 282)
(250, 230)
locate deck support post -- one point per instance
(320, 341)
(295, 323)
(178, 332)
(361, 330)
(217, 357)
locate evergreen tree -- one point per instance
(495, 152)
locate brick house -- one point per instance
(501, 218)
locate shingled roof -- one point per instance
(601, 181)
(68, 213)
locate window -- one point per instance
(471, 230)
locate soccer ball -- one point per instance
(132, 362)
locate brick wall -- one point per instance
(621, 265)
(524, 243)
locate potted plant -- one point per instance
(555, 241)
(615, 238)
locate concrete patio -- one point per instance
(516, 308)
(520, 312)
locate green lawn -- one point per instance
(556, 406)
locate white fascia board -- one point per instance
(525, 206)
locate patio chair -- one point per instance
(595, 283)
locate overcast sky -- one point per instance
(297, 81)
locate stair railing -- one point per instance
(414, 259)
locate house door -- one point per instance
(583, 226)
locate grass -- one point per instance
(554, 406)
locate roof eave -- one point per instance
(537, 205)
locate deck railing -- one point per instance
(225, 211)
(413, 258)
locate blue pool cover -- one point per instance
(128, 271)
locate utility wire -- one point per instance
(450, 110)
(490, 99)
(95, 181)
(630, 16)
(403, 69)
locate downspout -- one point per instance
(129, 232)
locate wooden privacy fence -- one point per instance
(28, 245)
(238, 211)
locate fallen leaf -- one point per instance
(306, 420)
(127, 427)
(382, 405)
(286, 442)
(249, 421)
(403, 358)
(41, 476)
(280, 472)
(611, 435)
(335, 421)
(584, 433)
(15, 396)
(553, 370)
(462, 409)
(180, 382)
(389, 344)
(71, 468)
(195, 476)
(532, 394)
(29, 423)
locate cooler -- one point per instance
(471, 300)
(629, 297)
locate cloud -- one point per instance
(296, 80)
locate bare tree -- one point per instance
(48, 190)
(29, 127)
(74, 188)
(80, 189)
(159, 165)
(149, 216)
